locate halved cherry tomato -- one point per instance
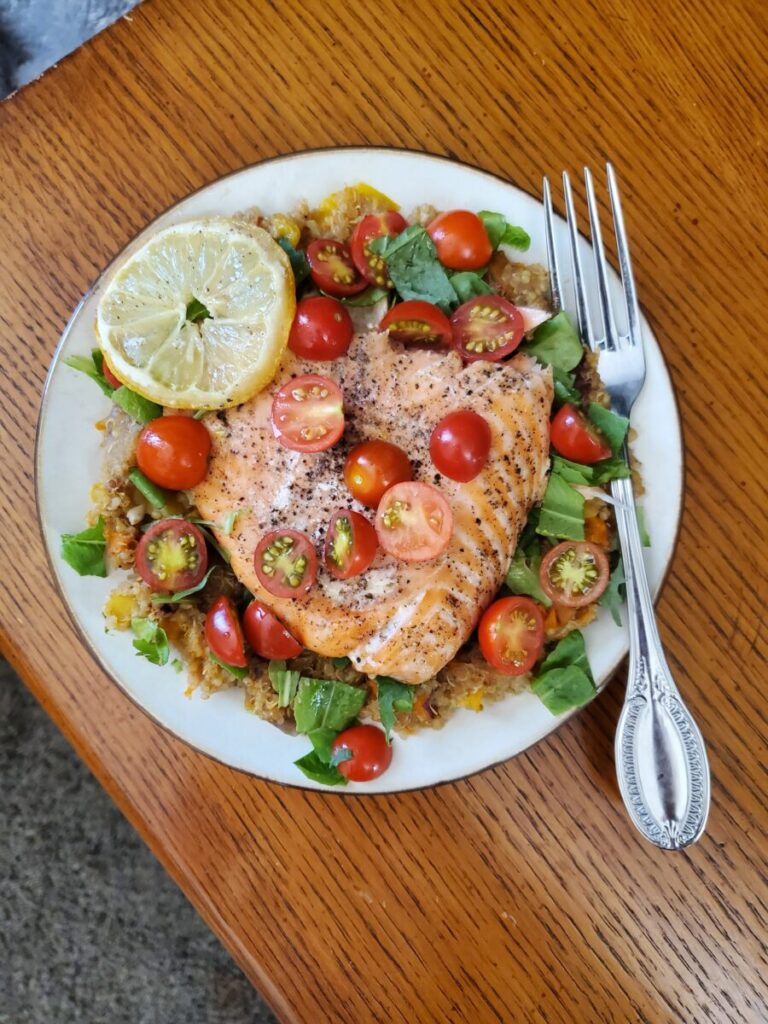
(308, 413)
(460, 445)
(486, 327)
(286, 563)
(350, 544)
(172, 555)
(374, 225)
(417, 321)
(574, 573)
(332, 269)
(461, 240)
(173, 452)
(223, 633)
(511, 635)
(574, 437)
(372, 468)
(322, 329)
(371, 754)
(266, 634)
(109, 377)
(414, 522)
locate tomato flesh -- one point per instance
(266, 634)
(350, 544)
(371, 754)
(369, 264)
(574, 574)
(486, 327)
(172, 555)
(173, 452)
(286, 563)
(461, 240)
(460, 445)
(308, 413)
(574, 437)
(223, 633)
(322, 329)
(417, 322)
(511, 635)
(109, 376)
(332, 268)
(372, 468)
(414, 522)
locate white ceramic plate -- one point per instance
(69, 460)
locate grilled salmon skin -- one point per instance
(396, 619)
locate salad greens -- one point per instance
(565, 387)
(523, 573)
(469, 283)
(501, 232)
(196, 311)
(556, 343)
(326, 704)
(612, 597)
(645, 538)
(284, 681)
(180, 595)
(612, 426)
(392, 696)
(414, 268)
(91, 368)
(137, 407)
(369, 297)
(298, 260)
(234, 670)
(564, 679)
(86, 551)
(151, 641)
(562, 510)
(315, 768)
(156, 497)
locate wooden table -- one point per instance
(522, 894)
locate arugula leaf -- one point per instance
(180, 595)
(613, 597)
(562, 511)
(298, 259)
(156, 497)
(196, 311)
(369, 297)
(392, 696)
(467, 284)
(326, 704)
(327, 774)
(91, 368)
(556, 343)
(565, 387)
(137, 407)
(234, 670)
(414, 268)
(523, 573)
(151, 641)
(85, 552)
(645, 538)
(500, 232)
(284, 681)
(612, 426)
(564, 679)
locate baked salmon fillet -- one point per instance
(398, 619)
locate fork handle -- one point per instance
(661, 761)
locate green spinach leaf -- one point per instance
(392, 696)
(314, 768)
(91, 367)
(414, 268)
(564, 679)
(137, 407)
(467, 284)
(523, 573)
(556, 343)
(612, 426)
(85, 552)
(501, 232)
(326, 704)
(151, 641)
(613, 596)
(562, 511)
(234, 670)
(298, 260)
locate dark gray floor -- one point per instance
(92, 930)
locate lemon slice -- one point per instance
(198, 317)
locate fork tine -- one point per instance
(625, 262)
(582, 306)
(555, 287)
(609, 324)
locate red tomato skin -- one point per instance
(371, 754)
(426, 545)
(374, 225)
(574, 437)
(223, 633)
(461, 240)
(266, 634)
(460, 445)
(321, 330)
(418, 322)
(596, 590)
(173, 452)
(303, 546)
(183, 580)
(109, 376)
(488, 644)
(468, 327)
(372, 468)
(286, 414)
(364, 544)
(332, 268)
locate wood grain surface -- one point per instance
(522, 894)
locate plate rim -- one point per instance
(342, 792)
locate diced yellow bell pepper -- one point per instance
(473, 700)
(120, 608)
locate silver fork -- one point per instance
(661, 761)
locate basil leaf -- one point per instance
(196, 311)
(151, 641)
(415, 270)
(612, 597)
(85, 552)
(468, 284)
(326, 704)
(495, 225)
(156, 497)
(556, 343)
(284, 681)
(369, 297)
(516, 237)
(523, 573)
(137, 407)
(564, 678)
(562, 511)
(565, 387)
(298, 259)
(180, 595)
(612, 426)
(315, 769)
(392, 696)
(234, 670)
(91, 368)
